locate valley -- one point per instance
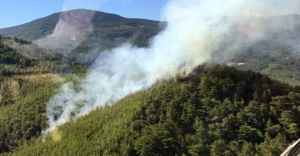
(243, 100)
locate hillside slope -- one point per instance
(85, 30)
(278, 62)
(28, 49)
(275, 52)
(27, 81)
(215, 111)
(267, 45)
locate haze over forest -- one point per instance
(212, 78)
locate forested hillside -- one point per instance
(217, 110)
(29, 76)
(280, 62)
(268, 45)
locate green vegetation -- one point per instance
(216, 111)
(280, 63)
(10, 57)
(21, 57)
(26, 85)
(22, 109)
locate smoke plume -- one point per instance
(195, 31)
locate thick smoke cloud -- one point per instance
(195, 31)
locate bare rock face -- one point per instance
(72, 28)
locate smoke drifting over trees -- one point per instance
(195, 31)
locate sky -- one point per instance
(15, 12)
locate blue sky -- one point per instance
(15, 12)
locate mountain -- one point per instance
(217, 110)
(267, 45)
(27, 48)
(84, 30)
(29, 76)
(83, 34)
(17, 55)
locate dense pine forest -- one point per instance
(217, 110)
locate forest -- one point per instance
(217, 110)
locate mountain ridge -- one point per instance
(84, 30)
(9, 31)
(215, 111)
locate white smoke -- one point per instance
(194, 32)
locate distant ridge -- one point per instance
(45, 25)
(82, 28)
(82, 34)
